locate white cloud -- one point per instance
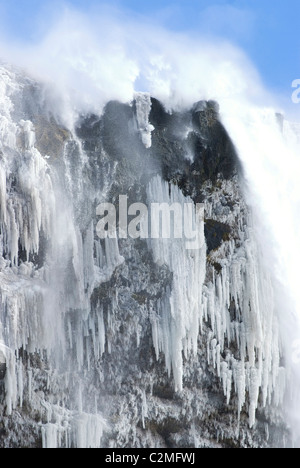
(106, 54)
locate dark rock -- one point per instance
(164, 392)
(215, 233)
(2, 370)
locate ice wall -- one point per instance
(240, 306)
(46, 272)
(175, 324)
(236, 303)
(143, 108)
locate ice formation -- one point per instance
(175, 324)
(238, 304)
(240, 307)
(49, 311)
(35, 301)
(268, 146)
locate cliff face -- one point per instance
(130, 342)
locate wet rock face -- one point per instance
(216, 233)
(2, 370)
(197, 134)
(187, 148)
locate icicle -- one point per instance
(144, 408)
(244, 287)
(50, 436)
(88, 430)
(176, 328)
(29, 134)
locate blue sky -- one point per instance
(267, 30)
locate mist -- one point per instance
(89, 59)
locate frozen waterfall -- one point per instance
(67, 297)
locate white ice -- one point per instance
(143, 108)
